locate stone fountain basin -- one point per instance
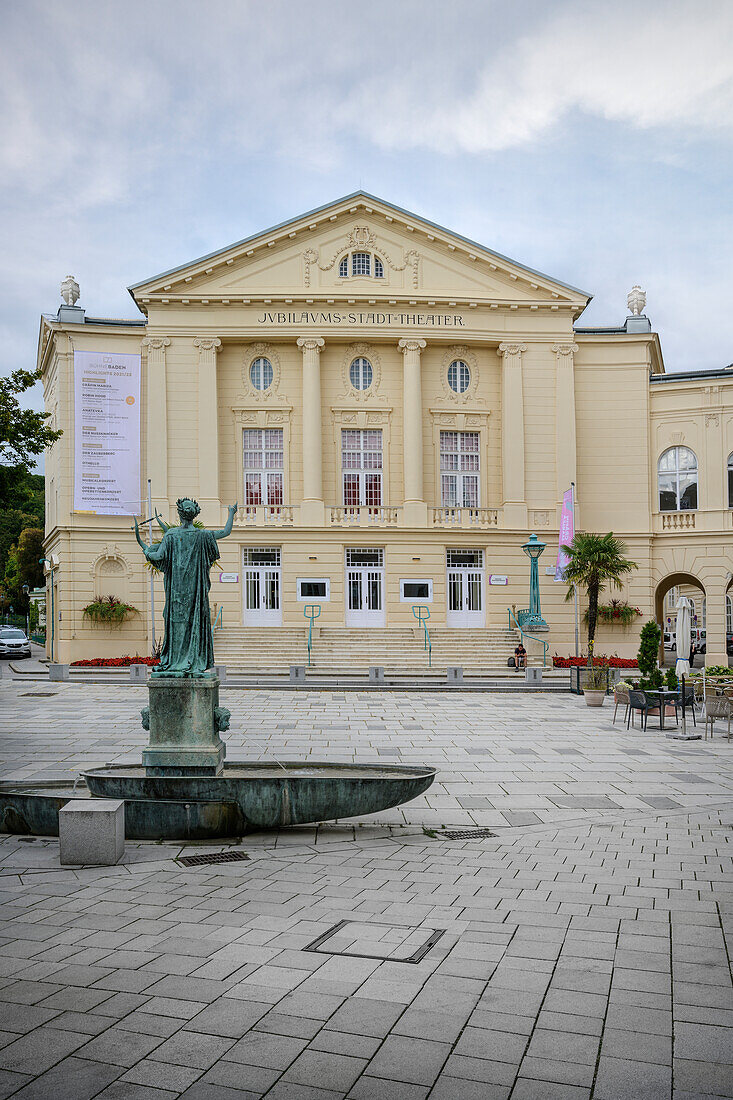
(271, 795)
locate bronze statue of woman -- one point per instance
(184, 556)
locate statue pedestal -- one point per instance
(184, 719)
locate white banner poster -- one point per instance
(107, 433)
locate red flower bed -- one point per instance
(598, 660)
(115, 662)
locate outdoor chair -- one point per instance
(620, 699)
(655, 703)
(690, 700)
(637, 702)
(717, 707)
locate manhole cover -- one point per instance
(212, 857)
(465, 834)
(37, 694)
(362, 940)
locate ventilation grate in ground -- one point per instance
(212, 857)
(464, 834)
(366, 940)
(37, 694)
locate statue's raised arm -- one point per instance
(227, 529)
(152, 553)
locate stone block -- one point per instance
(138, 672)
(533, 675)
(376, 674)
(455, 674)
(92, 831)
(58, 672)
(184, 719)
(297, 674)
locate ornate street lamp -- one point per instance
(532, 617)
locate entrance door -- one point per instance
(465, 588)
(261, 567)
(364, 587)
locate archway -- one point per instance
(667, 592)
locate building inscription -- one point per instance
(336, 317)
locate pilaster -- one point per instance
(565, 436)
(415, 511)
(208, 419)
(512, 435)
(313, 512)
(157, 421)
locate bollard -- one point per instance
(138, 672)
(297, 674)
(220, 672)
(92, 832)
(455, 674)
(376, 674)
(533, 675)
(58, 672)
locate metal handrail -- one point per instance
(311, 611)
(422, 614)
(533, 637)
(219, 620)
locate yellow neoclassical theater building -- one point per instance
(395, 409)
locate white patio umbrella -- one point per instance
(684, 636)
(682, 645)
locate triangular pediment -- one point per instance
(409, 258)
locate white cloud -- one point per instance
(660, 65)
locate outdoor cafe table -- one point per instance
(666, 697)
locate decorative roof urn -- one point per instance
(70, 290)
(636, 300)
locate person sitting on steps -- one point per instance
(520, 657)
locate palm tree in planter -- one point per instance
(595, 561)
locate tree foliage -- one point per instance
(24, 433)
(648, 655)
(595, 561)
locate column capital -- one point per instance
(512, 350)
(207, 343)
(155, 343)
(311, 343)
(563, 350)
(411, 344)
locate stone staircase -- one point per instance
(348, 650)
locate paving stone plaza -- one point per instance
(582, 951)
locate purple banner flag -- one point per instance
(567, 530)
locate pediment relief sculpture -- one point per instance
(361, 239)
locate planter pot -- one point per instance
(594, 698)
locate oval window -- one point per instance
(361, 374)
(459, 376)
(261, 373)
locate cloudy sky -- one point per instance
(588, 140)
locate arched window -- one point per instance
(728, 615)
(730, 480)
(677, 480)
(459, 376)
(343, 267)
(361, 263)
(360, 373)
(261, 373)
(378, 268)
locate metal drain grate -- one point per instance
(37, 694)
(366, 940)
(212, 857)
(465, 834)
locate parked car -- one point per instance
(13, 643)
(670, 639)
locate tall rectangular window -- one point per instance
(263, 466)
(361, 464)
(459, 469)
